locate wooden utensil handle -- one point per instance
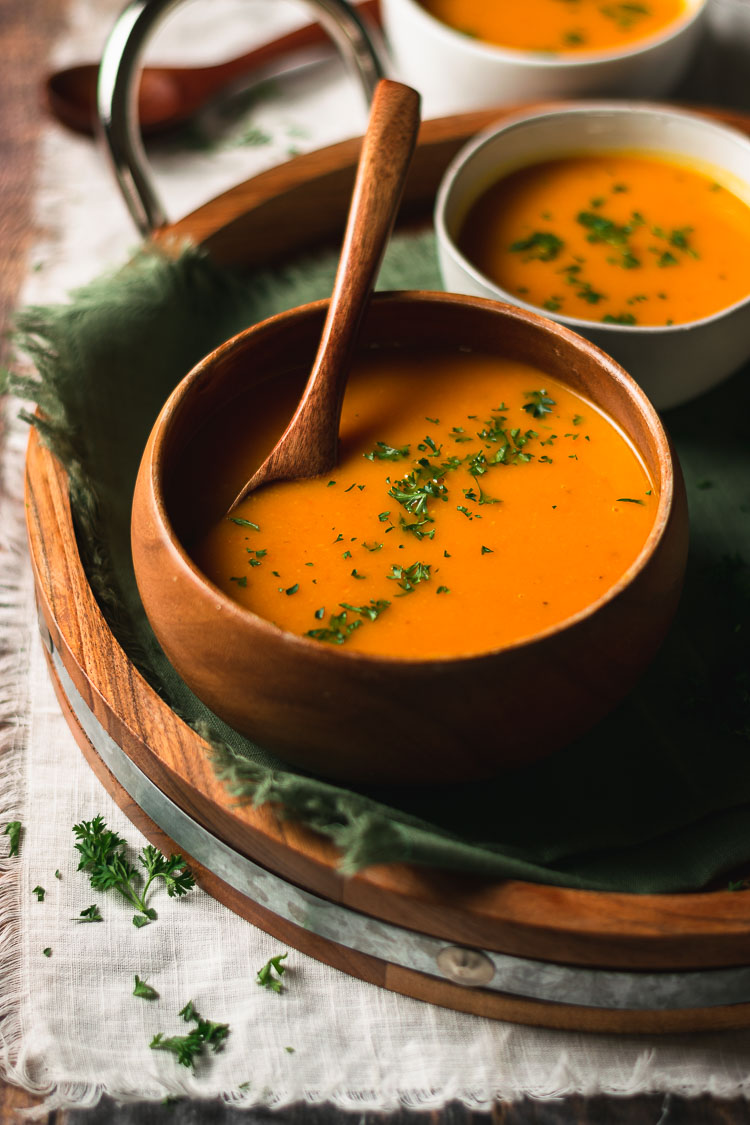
(384, 161)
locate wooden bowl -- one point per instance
(352, 716)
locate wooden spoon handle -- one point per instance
(310, 443)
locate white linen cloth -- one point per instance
(71, 1029)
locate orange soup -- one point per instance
(558, 25)
(614, 237)
(476, 502)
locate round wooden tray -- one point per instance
(512, 950)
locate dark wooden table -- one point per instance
(27, 28)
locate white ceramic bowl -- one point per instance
(454, 72)
(672, 364)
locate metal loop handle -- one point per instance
(117, 90)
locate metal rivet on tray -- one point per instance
(465, 966)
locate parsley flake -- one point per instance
(244, 523)
(542, 245)
(269, 975)
(385, 452)
(539, 403)
(145, 991)
(13, 832)
(90, 914)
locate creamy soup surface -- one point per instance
(477, 501)
(618, 237)
(558, 26)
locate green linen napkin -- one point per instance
(655, 798)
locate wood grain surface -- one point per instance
(27, 27)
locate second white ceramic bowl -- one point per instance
(455, 73)
(673, 364)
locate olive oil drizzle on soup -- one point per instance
(558, 26)
(476, 502)
(614, 237)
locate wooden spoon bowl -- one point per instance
(351, 716)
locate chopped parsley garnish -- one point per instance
(385, 452)
(47, 951)
(624, 14)
(186, 1048)
(413, 492)
(269, 976)
(543, 245)
(584, 289)
(602, 229)
(244, 523)
(336, 632)
(90, 914)
(292, 589)
(428, 443)
(104, 859)
(410, 576)
(629, 500)
(39, 892)
(145, 991)
(371, 611)
(539, 403)
(13, 832)
(621, 318)
(241, 581)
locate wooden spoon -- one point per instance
(309, 445)
(170, 95)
